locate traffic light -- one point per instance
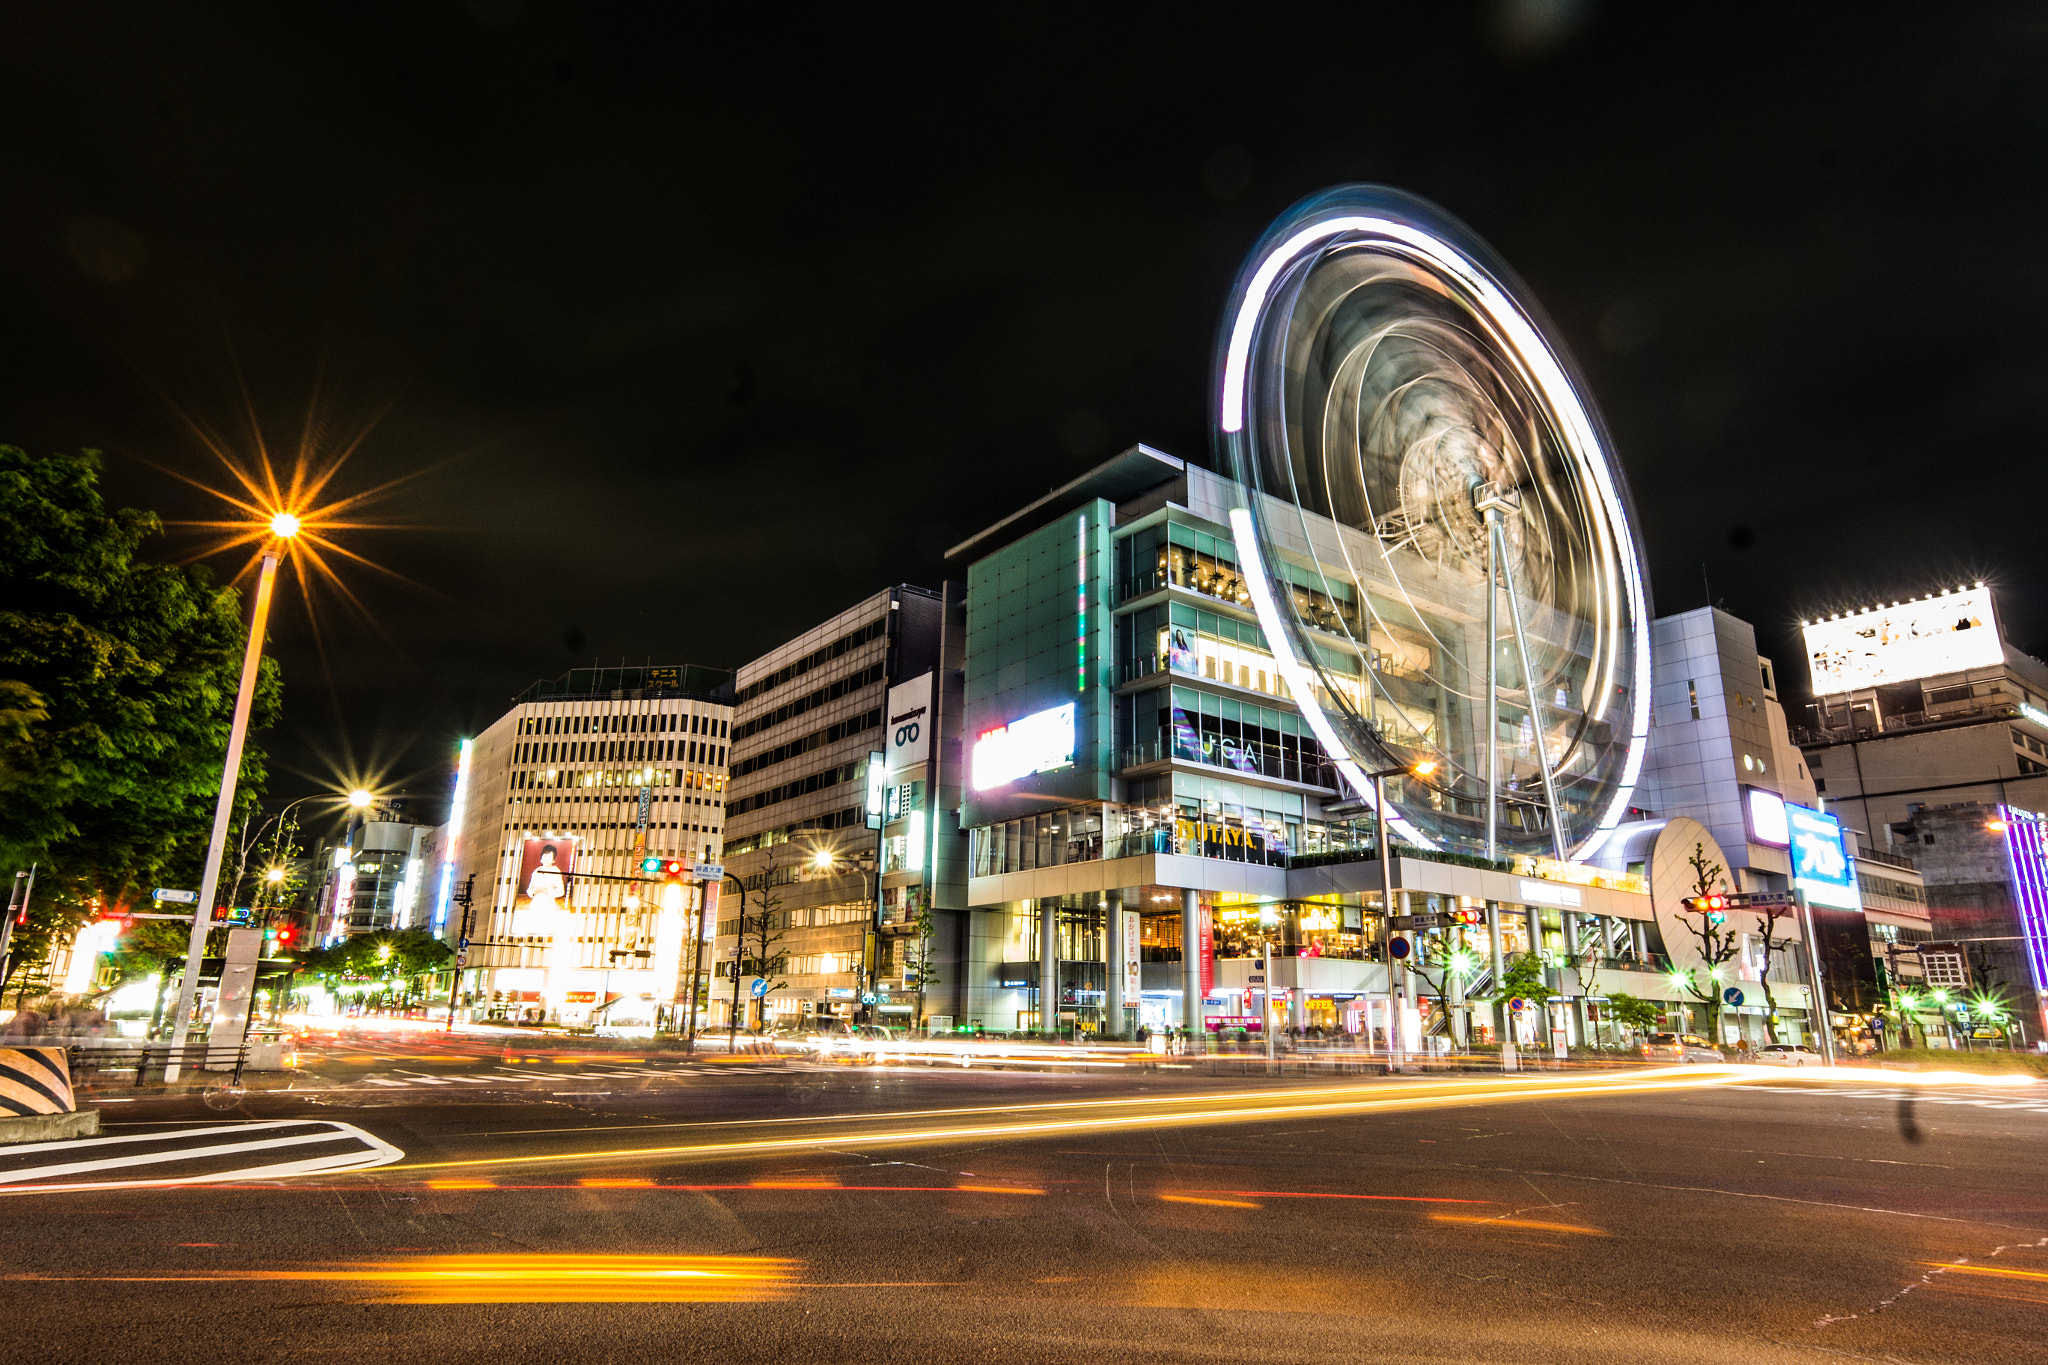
(663, 867)
(1466, 917)
(1714, 906)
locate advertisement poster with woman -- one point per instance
(547, 868)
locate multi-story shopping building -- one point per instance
(557, 804)
(1149, 803)
(852, 886)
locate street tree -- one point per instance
(1767, 931)
(1631, 1012)
(761, 931)
(919, 957)
(1717, 941)
(1446, 967)
(117, 688)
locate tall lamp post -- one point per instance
(283, 526)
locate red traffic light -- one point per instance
(1467, 917)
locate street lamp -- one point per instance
(828, 860)
(360, 799)
(283, 526)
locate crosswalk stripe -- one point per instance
(372, 1151)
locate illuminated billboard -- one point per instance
(1924, 638)
(1036, 744)
(547, 868)
(1820, 863)
(1765, 813)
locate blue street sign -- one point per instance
(760, 987)
(1732, 996)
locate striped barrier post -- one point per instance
(35, 1080)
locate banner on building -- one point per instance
(1133, 956)
(909, 717)
(547, 870)
(1205, 947)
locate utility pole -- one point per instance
(697, 966)
(732, 1022)
(17, 912)
(462, 898)
(1819, 988)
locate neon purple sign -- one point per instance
(2026, 850)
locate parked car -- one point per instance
(1788, 1054)
(1681, 1048)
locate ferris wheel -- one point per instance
(1437, 535)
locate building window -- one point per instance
(1692, 697)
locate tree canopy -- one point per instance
(392, 956)
(117, 689)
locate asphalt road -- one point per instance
(594, 1207)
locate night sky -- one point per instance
(690, 335)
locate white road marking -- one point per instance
(378, 1153)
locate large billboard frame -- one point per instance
(1927, 637)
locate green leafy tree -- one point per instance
(1718, 942)
(403, 956)
(1522, 975)
(1632, 1012)
(117, 688)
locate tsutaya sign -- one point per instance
(1036, 744)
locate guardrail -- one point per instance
(133, 1065)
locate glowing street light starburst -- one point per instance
(277, 502)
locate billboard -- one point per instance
(1764, 812)
(1036, 744)
(1924, 638)
(876, 789)
(547, 871)
(1820, 863)
(910, 723)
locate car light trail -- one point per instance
(1168, 1113)
(516, 1278)
(1526, 1224)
